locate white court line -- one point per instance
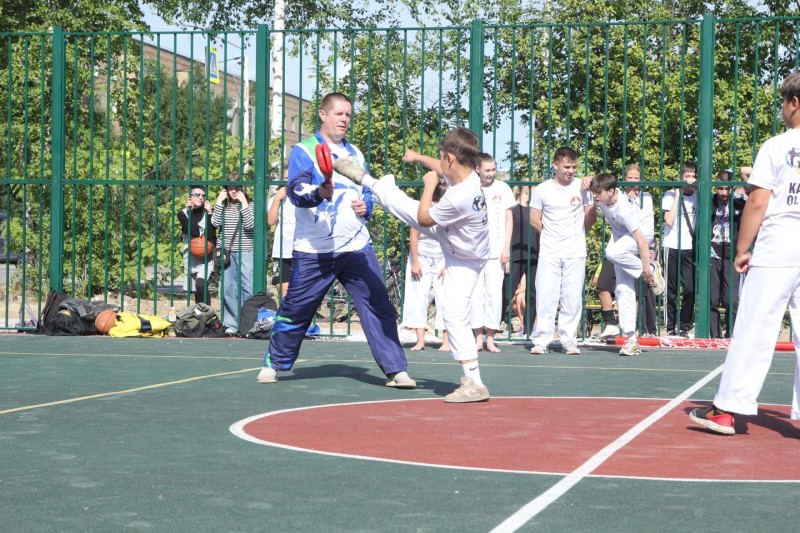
(539, 504)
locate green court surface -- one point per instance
(101, 434)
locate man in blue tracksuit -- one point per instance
(331, 242)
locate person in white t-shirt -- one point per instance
(680, 220)
(281, 214)
(486, 305)
(606, 278)
(459, 223)
(561, 211)
(423, 283)
(628, 251)
(771, 219)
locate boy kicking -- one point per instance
(771, 219)
(459, 223)
(628, 251)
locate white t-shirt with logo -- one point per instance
(777, 168)
(625, 217)
(283, 238)
(671, 232)
(563, 217)
(461, 216)
(499, 199)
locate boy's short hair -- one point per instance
(689, 165)
(565, 152)
(197, 186)
(790, 88)
(330, 98)
(724, 175)
(603, 182)
(463, 144)
(483, 157)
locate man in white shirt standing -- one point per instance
(486, 310)
(680, 218)
(561, 211)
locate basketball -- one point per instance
(105, 321)
(199, 247)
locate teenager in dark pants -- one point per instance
(725, 216)
(680, 218)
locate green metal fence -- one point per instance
(104, 132)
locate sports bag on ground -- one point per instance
(199, 320)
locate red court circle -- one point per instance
(538, 435)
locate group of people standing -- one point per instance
(232, 220)
(453, 241)
(476, 248)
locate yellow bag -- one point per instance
(133, 325)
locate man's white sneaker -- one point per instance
(570, 348)
(349, 169)
(267, 375)
(539, 349)
(400, 380)
(630, 348)
(657, 284)
(610, 330)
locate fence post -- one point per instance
(476, 79)
(57, 164)
(260, 153)
(705, 149)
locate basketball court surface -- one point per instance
(104, 434)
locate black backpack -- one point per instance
(51, 308)
(69, 323)
(249, 312)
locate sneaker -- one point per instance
(349, 169)
(231, 331)
(400, 380)
(631, 348)
(570, 348)
(657, 284)
(611, 330)
(468, 392)
(540, 349)
(714, 419)
(267, 375)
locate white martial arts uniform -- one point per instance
(461, 229)
(773, 281)
(419, 292)
(486, 306)
(624, 217)
(562, 258)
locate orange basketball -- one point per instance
(199, 247)
(105, 321)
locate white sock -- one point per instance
(368, 181)
(471, 370)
